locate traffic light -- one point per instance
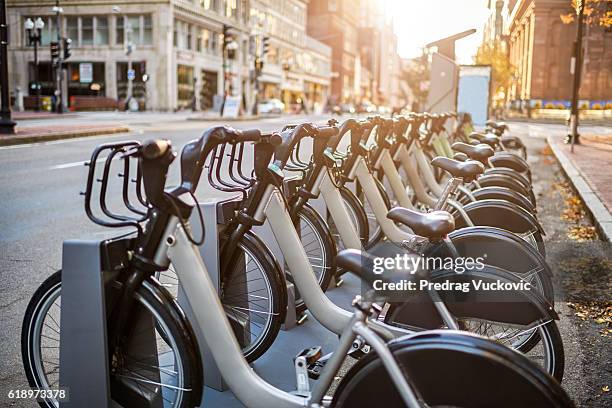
(55, 50)
(266, 45)
(67, 49)
(258, 64)
(226, 35)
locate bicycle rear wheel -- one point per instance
(167, 369)
(448, 368)
(253, 294)
(319, 247)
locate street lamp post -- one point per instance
(130, 68)
(59, 65)
(7, 126)
(34, 30)
(576, 69)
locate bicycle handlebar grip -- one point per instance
(251, 135)
(154, 149)
(275, 139)
(327, 131)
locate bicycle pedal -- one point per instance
(314, 370)
(311, 355)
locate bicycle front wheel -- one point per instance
(158, 359)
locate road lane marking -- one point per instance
(69, 140)
(73, 164)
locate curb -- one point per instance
(238, 119)
(599, 213)
(17, 140)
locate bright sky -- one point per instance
(419, 22)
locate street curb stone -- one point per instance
(17, 140)
(599, 213)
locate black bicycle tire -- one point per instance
(180, 328)
(329, 246)
(278, 293)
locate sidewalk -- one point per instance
(588, 168)
(35, 134)
(33, 115)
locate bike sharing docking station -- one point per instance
(216, 213)
(88, 269)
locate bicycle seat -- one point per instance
(467, 170)
(480, 152)
(460, 156)
(365, 266)
(497, 125)
(434, 225)
(488, 138)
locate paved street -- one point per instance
(41, 207)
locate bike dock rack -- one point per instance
(87, 270)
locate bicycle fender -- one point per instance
(438, 362)
(500, 213)
(510, 160)
(515, 254)
(502, 180)
(521, 178)
(504, 193)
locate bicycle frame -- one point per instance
(200, 292)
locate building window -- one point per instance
(132, 27)
(185, 86)
(139, 88)
(231, 8)
(87, 31)
(72, 29)
(209, 4)
(79, 87)
(189, 36)
(101, 37)
(141, 27)
(120, 30)
(147, 30)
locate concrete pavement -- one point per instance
(587, 169)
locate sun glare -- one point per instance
(419, 22)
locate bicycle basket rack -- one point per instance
(133, 199)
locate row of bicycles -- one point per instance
(417, 186)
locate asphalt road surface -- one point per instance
(41, 207)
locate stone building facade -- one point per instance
(178, 49)
(540, 49)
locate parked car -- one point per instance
(271, 106)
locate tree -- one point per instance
(494, 54)
(596, 13)
(416, 75)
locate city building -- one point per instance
(178, 56)
(540, 48)
(296, 67)
(365, 64)
(335, 23)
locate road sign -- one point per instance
(231, 109)
(131, 74)
(86, 72)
